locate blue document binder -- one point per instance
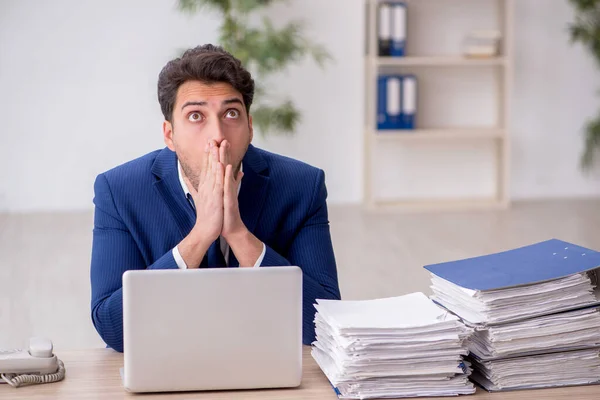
(540, 262)
(398, 41)
(409, 102)
(389, 102)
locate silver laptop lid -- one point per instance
(212, 329)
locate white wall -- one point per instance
(78, 96)
(78, 93)
(556, 90)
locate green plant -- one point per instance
(586, 30)
(263, 50)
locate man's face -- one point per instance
(203, 113)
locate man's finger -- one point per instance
(228, 153)
(215, 158)
(210, 173)
(204, 164)
(228, 182)
(227, 175)
(209, 163)
(219, 175)
(223, 153)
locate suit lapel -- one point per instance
(253, 192)
(168, 186)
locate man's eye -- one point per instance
(232, 114)
(194, 117)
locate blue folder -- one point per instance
(409, 102)
(398, 42)
(389, 116)
(540, 262)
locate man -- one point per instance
(210, 198)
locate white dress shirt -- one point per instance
(224, 245)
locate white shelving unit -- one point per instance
(415, 63)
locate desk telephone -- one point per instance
(37, 364)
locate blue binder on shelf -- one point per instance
(536, 263)
(398, 31)
(389, 102)
(396, 102)
(409, 102)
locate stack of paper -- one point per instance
(516, 303)
(395, 347)
(539, 279)
(563, 331)
(580, 367)
(532, 309)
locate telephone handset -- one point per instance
(37, 364)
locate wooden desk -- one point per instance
(94, 374)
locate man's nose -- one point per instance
(218, 133)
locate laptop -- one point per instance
(212, 329)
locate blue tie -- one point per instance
(191, 201)
(214, 256)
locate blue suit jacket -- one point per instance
(141, 214)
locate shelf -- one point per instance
(442, 205)
(435, 58)
(441, 61)
(439, 134)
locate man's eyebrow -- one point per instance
(193, 103)
(232, 101)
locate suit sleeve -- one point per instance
(114, 251)
(312, 251)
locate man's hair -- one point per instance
(207, 64)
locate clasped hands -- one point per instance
(217, 211)
(215, 197)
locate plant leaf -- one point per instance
(193, 6)
(592, 143)
(276, 119)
